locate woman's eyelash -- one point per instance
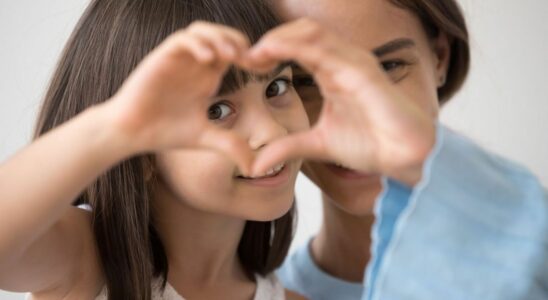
(393, 64)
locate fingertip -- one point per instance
(258, 52)
(263, 163)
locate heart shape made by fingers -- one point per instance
(365, 122)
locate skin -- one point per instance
(368, 122)
(47, 246)
(207, 226)
(404, 96)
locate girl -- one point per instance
(131, 138)
(453, 221)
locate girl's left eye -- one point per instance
(278, 87)
(219, 111)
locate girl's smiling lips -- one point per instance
(276, 177)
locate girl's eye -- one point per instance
(278, 87)
(219, 111)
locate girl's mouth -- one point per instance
(276, 176)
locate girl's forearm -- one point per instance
(38, 184)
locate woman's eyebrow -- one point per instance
(393, 46)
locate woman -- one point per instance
(453, 221)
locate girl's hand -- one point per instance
(366, 124)
(164, 102)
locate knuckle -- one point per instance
(313, 30)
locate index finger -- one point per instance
(304, 41)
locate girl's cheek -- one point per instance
(193, 172)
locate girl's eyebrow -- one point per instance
(394, 46)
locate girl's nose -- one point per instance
(264, 130)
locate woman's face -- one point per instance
(261, 111)
(412, 61)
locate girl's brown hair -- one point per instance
(445, 16)
(111, 38)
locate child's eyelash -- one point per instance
(285, 79)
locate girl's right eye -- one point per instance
(219, 111)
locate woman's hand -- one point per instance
(164, 102)
(365, 124)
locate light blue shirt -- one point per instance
(300, 274)
(475, 228)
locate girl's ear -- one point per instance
(441, 47)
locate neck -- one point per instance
(342, 246)
(201, 247)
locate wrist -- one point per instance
(114, 140)
(410, 172)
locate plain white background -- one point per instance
(504, 105)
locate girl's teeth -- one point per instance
(270, 172)
(276, 169)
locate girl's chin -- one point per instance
(267, 213)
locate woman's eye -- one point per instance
(219, 111)
(392, 65)
(278, 87)
(306, 87)
(308, 81)
(396, 69)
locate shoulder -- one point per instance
(71, 261)
(457, 161)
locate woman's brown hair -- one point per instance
(445, 16)
(111, 38)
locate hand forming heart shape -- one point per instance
(365, 123)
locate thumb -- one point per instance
(229, 144)
(307, 144)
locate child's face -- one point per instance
(205, 180)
